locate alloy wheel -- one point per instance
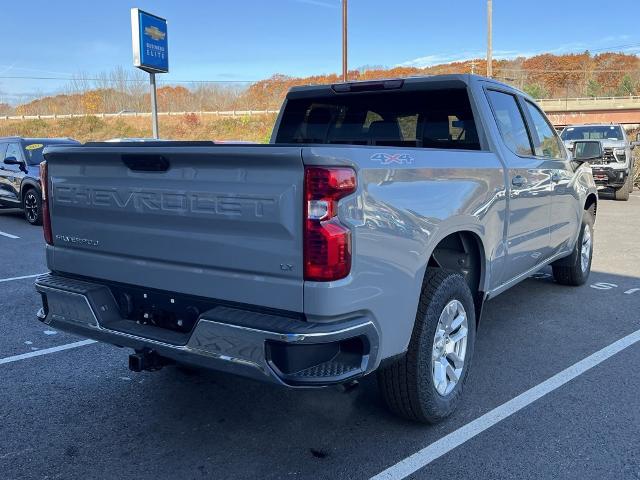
(585, 249)
(449, 347)
(31, 207)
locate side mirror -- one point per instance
(12, 161)
(587, 150)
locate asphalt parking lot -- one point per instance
(80, 413)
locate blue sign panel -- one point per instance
(150, 42)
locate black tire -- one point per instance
(32, 206)
(622, 193)
(569, 271)
(407, 384)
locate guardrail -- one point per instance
(590, 102)
(221, 113)
(589, 99)
(562, 104)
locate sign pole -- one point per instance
(154, 105)
(150, 53)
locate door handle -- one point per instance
(518, 181)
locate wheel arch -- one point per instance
(27, 184)
(463, 251)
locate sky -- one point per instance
(246, 40)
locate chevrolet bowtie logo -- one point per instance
(155, 33)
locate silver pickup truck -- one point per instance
(366, 237)
(615, 167)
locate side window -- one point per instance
(3, 149)
(548, 144)
(510, 122)
(13, 150)
(408, 127)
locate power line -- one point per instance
(125, 80)
(544, 70)
(609, 49)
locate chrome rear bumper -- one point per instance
(247, 343)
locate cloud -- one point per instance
(20, 70)
(444, 58)
(319, 3)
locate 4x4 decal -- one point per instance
(391, 158)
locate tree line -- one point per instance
(542, 76)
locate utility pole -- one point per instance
(489, 38)
(344, 41)
(473, 67)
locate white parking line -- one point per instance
(46, 351)
(8, 235)
(11, 279)
(424, 457)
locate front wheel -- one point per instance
(426, 383)
(622, 193)
(32, 205)
(575, 269)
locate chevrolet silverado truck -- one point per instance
(614, 169)
(365, 237)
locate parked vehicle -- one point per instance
(365, 238)
(615, 168)
(20, 173)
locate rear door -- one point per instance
(222, 222)
(565, 215)
(12, 175)
(3, 176)
(529, 183)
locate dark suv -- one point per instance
(20, 173)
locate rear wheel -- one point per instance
(575, 269)
(32, 206)
(426, 383)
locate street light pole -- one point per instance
(344, 41)
(489, 38)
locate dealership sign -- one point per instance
(150, 42)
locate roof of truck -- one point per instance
(38, 139)
(460, 79)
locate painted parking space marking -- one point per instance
(8, 235)
(46, 351)
(424, 457)
(11, 279)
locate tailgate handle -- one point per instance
(146, 163)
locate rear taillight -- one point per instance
(327, 243)
(46, 217)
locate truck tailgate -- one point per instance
(222, 222)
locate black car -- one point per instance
(20, 173)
